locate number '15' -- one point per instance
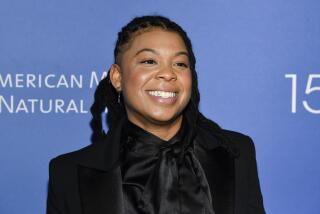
(309, 90)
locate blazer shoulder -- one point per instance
(67, 160)
(236, 135)
(239, 140)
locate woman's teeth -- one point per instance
(163, 94)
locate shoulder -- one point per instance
(209, 130)
(63, 171)
(64, 162)
(243, 144)
(240, 141)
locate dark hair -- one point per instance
(107, 96)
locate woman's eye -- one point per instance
(148, 61)
(181, 64)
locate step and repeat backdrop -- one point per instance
(258, 64)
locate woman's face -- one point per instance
(154, 77)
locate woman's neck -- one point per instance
(164, 130)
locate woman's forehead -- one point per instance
(158, 39)
(152, 38)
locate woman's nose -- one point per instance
(167, 73)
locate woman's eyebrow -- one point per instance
(182, 53)
(147, 49)
(157, 53)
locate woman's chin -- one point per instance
(164, 118)
(156, 115)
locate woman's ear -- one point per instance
(115, 76)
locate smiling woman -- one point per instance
(155, 80)
(160, 155)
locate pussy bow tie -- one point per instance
(172, 177)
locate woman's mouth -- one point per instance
(163, 94)
(166, 97)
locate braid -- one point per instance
(96, 110)
(106, 95)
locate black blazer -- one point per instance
(88, 181)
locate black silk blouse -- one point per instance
(163, 177)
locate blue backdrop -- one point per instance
(259, 73)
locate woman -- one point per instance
(160, 155)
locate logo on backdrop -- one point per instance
(311, 88)
(30, 93)
(37, 93)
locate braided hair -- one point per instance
(106, 95)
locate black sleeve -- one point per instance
(54, 203)
(255, 200)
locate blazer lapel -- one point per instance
(220, 173)
(100, 191)
(218, 161)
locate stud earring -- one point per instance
(119, 96)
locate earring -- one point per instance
(119, 94)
